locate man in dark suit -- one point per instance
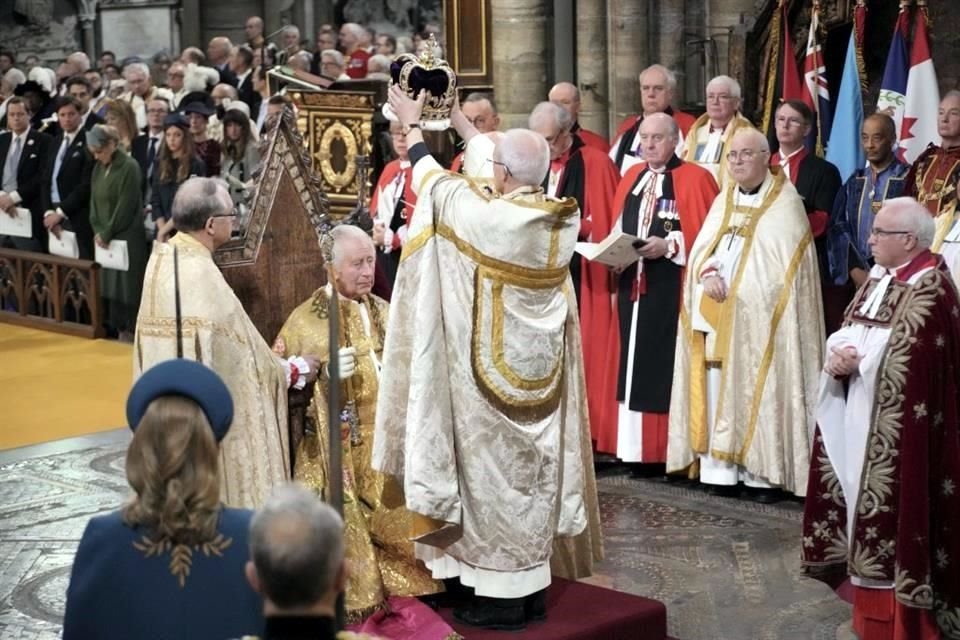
(23, 153)
(79, 87)
(146, 147)
(67, 192)
(241, 63)
(218, 57)
(817, 181)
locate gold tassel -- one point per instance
(768, 105)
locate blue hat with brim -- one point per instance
(187, 379)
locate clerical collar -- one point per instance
(750, 192)
(923, 260)
(714, 129)
(671, 164)
(405, 164)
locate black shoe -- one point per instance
(535, 606)
(723, 490)
(501, 614)
(766, 496)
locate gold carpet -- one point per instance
(54, 386)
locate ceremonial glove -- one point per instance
(347, 359)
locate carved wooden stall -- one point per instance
(275, 263)
(50, 293)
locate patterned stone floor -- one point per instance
(727, 569)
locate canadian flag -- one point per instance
(919, 127)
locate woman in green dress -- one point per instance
(116, 213)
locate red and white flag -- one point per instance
(816, 92)
(919, 127)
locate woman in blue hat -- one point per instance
(170, 563)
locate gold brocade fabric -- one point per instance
(768, 344)
(381, 557)
(254, 455)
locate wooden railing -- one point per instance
(51, 293)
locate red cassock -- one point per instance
(589, 176)
(395, 213)
(694, 190)
(594, 140)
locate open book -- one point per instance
(617, 250)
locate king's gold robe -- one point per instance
(254, 456)
(382, 562)
(482, 410)
(767, 342)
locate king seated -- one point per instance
(381, 557)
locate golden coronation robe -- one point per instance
(255, 455)
(482, 409)
(765, 352)
(382, 562)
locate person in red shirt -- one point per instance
(351, 41)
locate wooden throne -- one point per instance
(275, 263)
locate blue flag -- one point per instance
(845, 151)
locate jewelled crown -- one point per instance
(431, 73)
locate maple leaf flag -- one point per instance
(919, 126)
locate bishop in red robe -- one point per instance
(392, 205)
(882, 499)
(664, 201)
(587, 175)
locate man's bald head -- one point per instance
(218, 50)
(567, 95)
(481, 111)
(748, 158)
(524, 155)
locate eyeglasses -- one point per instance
(876, 231)
(722, 97)
(502, 164)
(745, 155)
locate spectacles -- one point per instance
(745, 155)
(723, 97)
(884, 232)
(502, 164)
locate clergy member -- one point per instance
(481, 111)
(589, 177)
(934, 178)
(882, 500)
(381, 556)
(392, 204)
(664, 201)
(254, 457)
(482, 410)
(567, 95)
(857, 204)
(709, 141)
(657, 87)
(747, 364)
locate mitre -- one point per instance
(430, 73)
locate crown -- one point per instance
(432, 74)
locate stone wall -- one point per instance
(51, 33)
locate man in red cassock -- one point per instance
(392, 205)
(883, 498)
(567, 95)
(657, 86)
(664, 201)
(586, 174)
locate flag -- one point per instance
(919, 126)
(783, 81)
(893, 88)
(816, 92)
(845, 150)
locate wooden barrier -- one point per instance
(50, 293)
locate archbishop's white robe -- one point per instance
(482, 409)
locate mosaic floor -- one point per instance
(727, 569)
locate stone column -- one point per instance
(667, 38)
(627, 35)
(592, 65)
(519, 58)
(87, 13)
(723, 14)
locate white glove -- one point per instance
(347, 361)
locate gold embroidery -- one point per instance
(181, 555)
(416, 243)
(499, 360)
(167, 328)
(526, 410)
